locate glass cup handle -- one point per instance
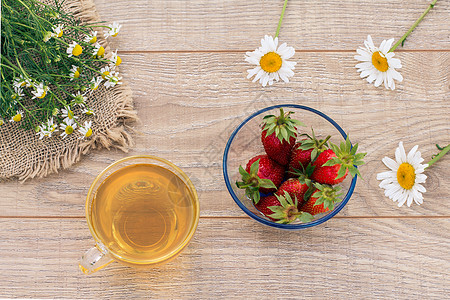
(95, 259)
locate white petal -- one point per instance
(395, 63)
(364, 65)
(385, 175)
(400, 154)
(390, 163)
(372, 77)
(259, 75)
(396, 75)
(420, 188)
(387, 46)
(411, 154)
(379, 80)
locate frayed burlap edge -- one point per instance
(114, 137)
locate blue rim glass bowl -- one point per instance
(245, 143)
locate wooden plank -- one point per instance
(203, 96)
(193, 25)
(236, 258)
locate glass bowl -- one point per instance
(245, 143)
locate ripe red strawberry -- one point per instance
(282, 209)
(333, 165)
(313, 209)
(304, 152)
(296, 188)
(260, 175)
(264, 204)
(278, 136)
(323, 199)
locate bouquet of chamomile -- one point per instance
(51, 63)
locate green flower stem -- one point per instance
(439, 155)
(400, 41)
(281, 18)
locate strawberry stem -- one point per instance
(324, 141)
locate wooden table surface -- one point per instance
(184, 61)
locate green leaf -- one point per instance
(267, 183)
(314, 154)
(329, 163)
(284, 133)
(282, 200)
(254, 167)
(341, 172)
(256, 197)
(305, 217)
(354, 149)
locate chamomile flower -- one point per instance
(74, 49)
(106, 71)
(112, 79)
(47, 129)
(2, 122)
(403, 183)
(114, 30)
(22, 82)
(95, 82)
(67, 113)
(47, 36)
(18, 93)
(67, 127)
(91, 38)
(17, 117)
(74, 72)
(79, 99)
(98, 51)
(115, 59)
(58, 30)
(40, 91)
(88, 112)
(378, 64)
(85, 130)
(271, 62)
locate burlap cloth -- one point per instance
(23, 155)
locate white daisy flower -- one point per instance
(271, 62)
(17, 117)
(88, 112)
(105, 71)
(68, 127)
(98, 51)
(79, 99)
(74, 49)
(74, 72)
(403, 182)
(40, 91)
(58, 30)
(95, 82)
(47, 129)
(115, 59)
(378, 64)
(85, 130)
(91, 38)
(47, 36)
(67, 113)
(22, 82)
(112, 79)
(114, 30)
(18, 93)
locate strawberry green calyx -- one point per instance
(327, 194)
(288, 211)
(251, 182)
(283, 126)
(318, 146)
(347, 157)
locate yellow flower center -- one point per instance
(70, 114)
(43, 95)
(69, 129)
(118, 61)
(60, 34)
(380, 62)
(270, 62)
(76, 74)
(77, 50)
(114, 35)
(17, 118)
(2, 122)
(89, 132)
(104, 74)
(93, 40)
(406, 176)
(101, 51)
(14, 96)
(90, 112)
